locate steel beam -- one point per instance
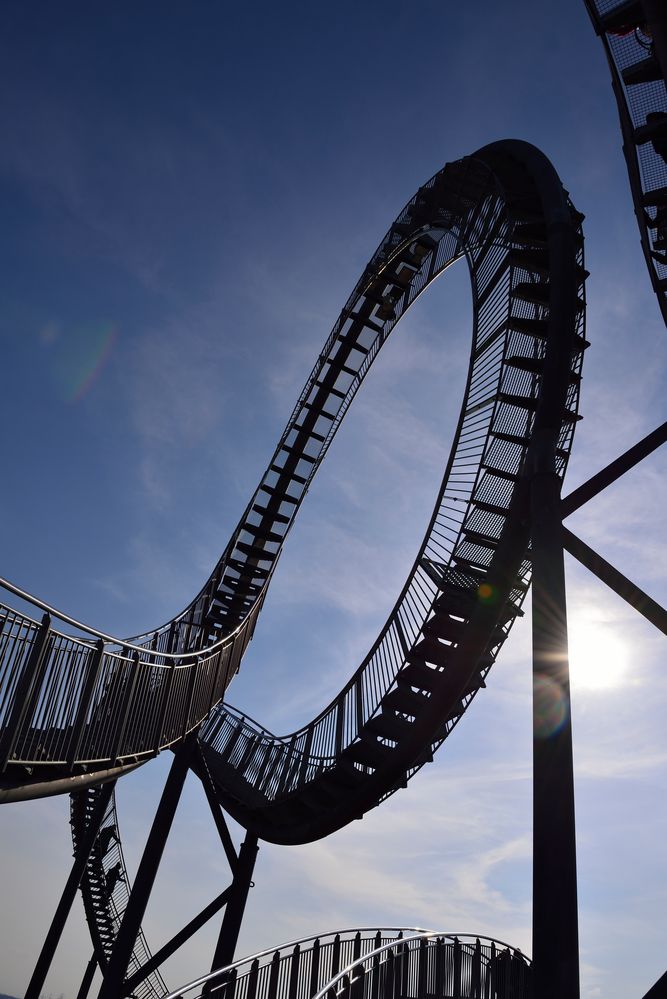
(231, 923)
(616, 581)
(87, 979)
(555, 917)
(659, 990)
(177, 941)
(583, 493)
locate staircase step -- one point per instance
(388, 725)
(444, 626)
(655, 198)
(256, 551)
(623, 17)
(356, 317)
(264, 511)
(284, 497)
(475, 684)
(263, 533)
(645, 71)
(405, 701)
(430, 650)
(655, 130)
(537, 293)
(530, 234)
(535, 366)
(369, 752)
(500, 472)
(536, 260)
(417, 674)
(345, 774)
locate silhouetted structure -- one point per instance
(78, 711)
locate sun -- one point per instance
(599, 658)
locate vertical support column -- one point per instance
(69, 893)
(112, 987)
(231, 922)
(555, 922)
(87, 979)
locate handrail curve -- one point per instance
(332, 959)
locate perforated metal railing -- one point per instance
(67, 699)
(385, 963)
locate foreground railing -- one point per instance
(88, 699)
(384, 963)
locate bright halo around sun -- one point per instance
(599, 658)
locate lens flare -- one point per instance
(78, 356)
(487, 594)
(550, 709)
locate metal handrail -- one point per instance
(5, 584)
(415, 933)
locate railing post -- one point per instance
(192, 679)
(491, 975)
(93, 664)
(375, 977)
(164, 705)
(305, 760)
(477, 970)
(390, 974)
(252, 980)
(340, 720)
(294, 973)
(124, 713)
(273, 976)
(422, 968)
(359, 702)
(335, 956)
(405, 962)
(314, 985)
(26, 693)
(439, 966)
(457, 969)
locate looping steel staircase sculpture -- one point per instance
(80, 709)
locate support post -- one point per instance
(87, 979)
(231, 922)
(555, 919)
(69, 893)
(113, 984)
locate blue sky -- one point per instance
(187, 197)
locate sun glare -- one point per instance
(598, 657)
